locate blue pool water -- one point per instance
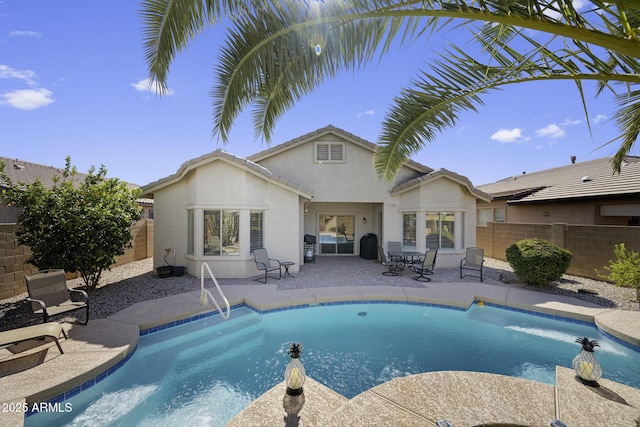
(205, 372)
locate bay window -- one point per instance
(440, 230)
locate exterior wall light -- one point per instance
(588, 370)
(295, 374)
(364, 220)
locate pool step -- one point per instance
(195, 334)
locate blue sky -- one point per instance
(73, 82)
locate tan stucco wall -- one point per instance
(575, 212)
(441, 195)
(221, 185)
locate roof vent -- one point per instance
(18, 167)
(586, 178)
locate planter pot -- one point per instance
(178, 270)
(164, 271)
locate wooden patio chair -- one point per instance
(473, 261)
(49, 295)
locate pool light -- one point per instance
(588, 370)
(295, 374)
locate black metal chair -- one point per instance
(394, 268)
(473, 261)
(263, 262)
(427, 266)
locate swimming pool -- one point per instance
(205, 372)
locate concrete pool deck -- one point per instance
(463, 398)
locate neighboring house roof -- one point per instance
(27, 172)
(593, 179)
(439, 174)
(222, 155)
(265, 154)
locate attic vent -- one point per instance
(329, 152)
(586, 178)
(18, 167)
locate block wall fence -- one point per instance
(591, 245)
(13, 257)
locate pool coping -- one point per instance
(154, 314)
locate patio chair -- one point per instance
(427, 266)
(49, 295)
(395, 248)
(49, 329)
(263, 262)
(473, 261)
(394, 268)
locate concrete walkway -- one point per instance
(464, 398)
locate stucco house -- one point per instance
(218, 207)
(587, 193)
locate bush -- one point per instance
(538, 261)
(77, 226)
(625, 271)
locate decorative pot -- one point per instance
(165, 271)
(178, 270)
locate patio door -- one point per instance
(337, 234)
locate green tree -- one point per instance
(278, 51)
(75, 225)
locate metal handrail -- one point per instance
(204, 292)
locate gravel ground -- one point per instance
(130, 284)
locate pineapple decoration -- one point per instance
(587, 368)
(295, 374)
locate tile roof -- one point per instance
(442, 173)
(585, 180)
(27, 172)
(221, 155)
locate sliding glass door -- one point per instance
(337, 234)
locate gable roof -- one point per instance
(330, 129)
(229, 158)
(20, 171)
(593, 179)
(439, 174)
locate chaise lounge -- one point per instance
(48, 329)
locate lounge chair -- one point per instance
(263, 262)
(49, 329)
(473, 261)
(394, 268)
(50, 295)
(427, 266)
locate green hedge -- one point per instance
(537, 261)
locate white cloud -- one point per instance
(367, 113)
(27, 76)
(599, 118)
(27, 99)
(146, 85)
(570, 122)
(33, 34)
(552, 131)
(509, 136)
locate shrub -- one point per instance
(77, 226)
(625, 271)
(538, 261)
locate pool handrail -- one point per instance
(204, 292)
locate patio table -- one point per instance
(408, 254)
